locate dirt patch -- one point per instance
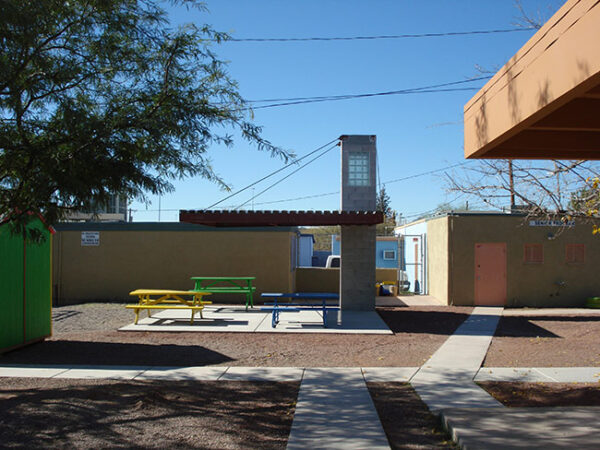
(86, 334)
(407, 422)
(515, 394)
(545, 341)
(38, 413)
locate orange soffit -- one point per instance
(545, 102)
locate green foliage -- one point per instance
(104, 96)
(383, 202)
(586, 202)
(389, 215)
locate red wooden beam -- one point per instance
(279, 218)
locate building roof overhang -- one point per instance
(545, 102)
(279, 218)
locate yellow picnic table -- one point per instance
(150, 299)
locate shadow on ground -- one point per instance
(524, 326)
(110, 353)
(114, 414)
(405, 418)
(424, 321)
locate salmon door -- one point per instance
(490, 274)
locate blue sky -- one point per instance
(415, 133)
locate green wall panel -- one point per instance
(38, 286)
(11, 288)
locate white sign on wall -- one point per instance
(551, 223)
(90, 238)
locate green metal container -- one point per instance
(25, 287)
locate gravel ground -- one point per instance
(86, 334)
(546, 341)
(93, 414)
(407, 422)
(544, 394)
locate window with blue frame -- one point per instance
(389, 255)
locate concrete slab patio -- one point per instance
(235, 319)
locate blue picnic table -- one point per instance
(276, 306)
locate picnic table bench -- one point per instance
(226, 285)
(150, 299)
(276, 307)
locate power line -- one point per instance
(289, 175)
(399, 91)
(272, 173)
(426, 173)
(349, 97)
(299, 198)
(379, 37)
(329, 98)
(323, 194)
(431, 211)
(383, 182)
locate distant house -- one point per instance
(413, 254)
(306, 244)
(386, 251)
(500, 259)
(113, 211)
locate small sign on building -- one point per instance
(90, 238)
(551, 223)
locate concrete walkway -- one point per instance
(524, 428)
(335, 410)
(446, 379)
(540, 374)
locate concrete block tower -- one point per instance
(358, 193)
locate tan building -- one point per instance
(105, 261)
(510, 260)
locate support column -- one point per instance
(357, 271)
(357, 247)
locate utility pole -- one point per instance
(558, 196)
(511, 182)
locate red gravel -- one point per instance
(546, 341)
(86, 334)
(544, 394)
(92, 414)
(407, 422)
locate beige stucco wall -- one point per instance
(438, 258)
(527, 284)
(321, 279)
(128, 260)
(317, 279)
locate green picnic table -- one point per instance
(226, 285)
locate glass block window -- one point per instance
(533, 253)
(358, 169)
(575, 254)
